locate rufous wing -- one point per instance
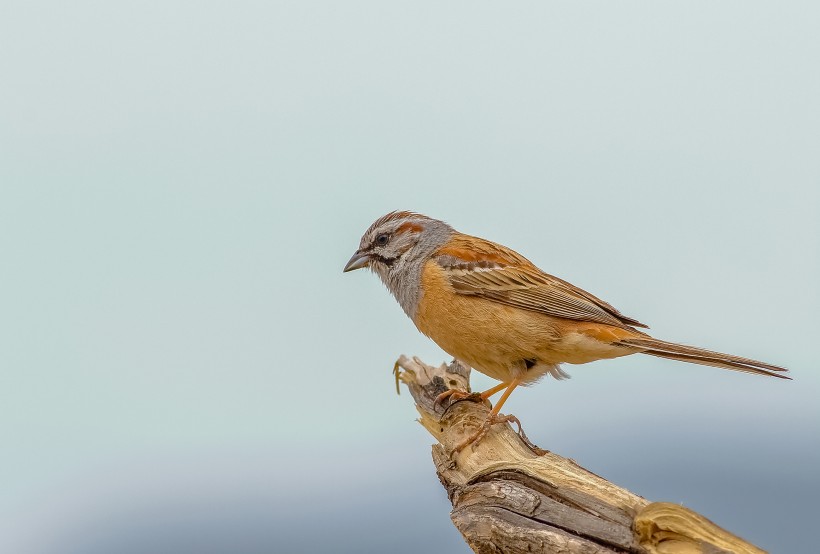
(485, 269)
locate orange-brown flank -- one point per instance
(468, 328)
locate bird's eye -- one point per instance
(382, 239)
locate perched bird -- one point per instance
(494, 310)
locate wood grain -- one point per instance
(509, 496)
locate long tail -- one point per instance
(663, 349)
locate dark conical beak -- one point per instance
(357, 261)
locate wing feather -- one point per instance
(510, 279)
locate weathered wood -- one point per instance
(509, 496)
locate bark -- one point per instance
(510, 496)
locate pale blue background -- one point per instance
(182, 359)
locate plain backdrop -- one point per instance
(183, 365)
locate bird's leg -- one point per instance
(457, 394)
(493, 417)
(510, 387)
(489, 392)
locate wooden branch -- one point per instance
(509, 496)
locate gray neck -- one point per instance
(403, 278)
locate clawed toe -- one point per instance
(523, 436)
(494, 419)
(455, 395)
(482, 431)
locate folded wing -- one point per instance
(508, 278)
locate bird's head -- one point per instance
(395, 239)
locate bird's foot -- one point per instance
(455, 395)
(482, 431)
(523, 436)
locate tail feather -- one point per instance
(671, 350)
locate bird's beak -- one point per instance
(358, 261)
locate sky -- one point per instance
(184, 366)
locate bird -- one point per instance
(494, 310)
